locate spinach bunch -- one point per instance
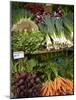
(28, 42)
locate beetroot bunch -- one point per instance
(27, 85)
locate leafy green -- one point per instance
(28, 42)
(30, 65)
(19, 65)
(23, 65)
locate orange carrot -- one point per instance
(54, 84)
(69, 83)
(53, 88)
(58, 83)
(44, 92)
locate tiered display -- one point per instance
(44, 32)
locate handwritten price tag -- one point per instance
(18, 55)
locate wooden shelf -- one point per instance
(51, 51)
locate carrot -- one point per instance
(44, 86)
(58, 83)
(44, 92)
(50, 92)
(54, 84)
(63, 79)
(64, 89)
(44, 89)
(57, 93)
(69, 83)
(52, 87)
(68, 88)
(63, 84)
(47, 93)
(60, 90)
(59, 86)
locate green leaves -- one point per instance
(68, 25)
(68, 21)
(28, 42)
(53, 67)
(23, 65)
(65, 65)
(30, 65)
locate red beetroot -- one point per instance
(27, 87)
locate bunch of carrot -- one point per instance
(59, 86)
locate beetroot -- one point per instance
(27, 85)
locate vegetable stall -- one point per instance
(44, 32)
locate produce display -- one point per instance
(42, 50)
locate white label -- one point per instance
(19, 54)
